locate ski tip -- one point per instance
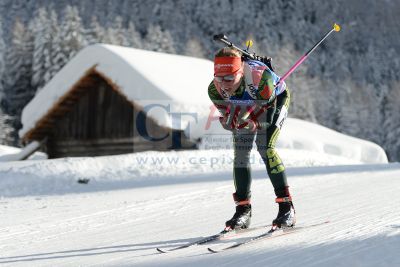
(160, 250)
(212, 250)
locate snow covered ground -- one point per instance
(48, 219)
(133, 203)
(123, 227)
(8, 153)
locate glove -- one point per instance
(248, 126)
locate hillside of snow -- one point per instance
(116, 210)
(122, 224)
(301, 144)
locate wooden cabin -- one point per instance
(95, 117)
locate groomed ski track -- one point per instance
(123, 227)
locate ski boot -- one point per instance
(242, 217)
(287, 215)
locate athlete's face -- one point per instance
(230, 82)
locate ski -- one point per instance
(209, 239)
(273, 232)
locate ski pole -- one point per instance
(335, 28)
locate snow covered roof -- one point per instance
(143, 77)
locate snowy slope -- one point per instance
(59, 176)
(123, 227)
(134, 203)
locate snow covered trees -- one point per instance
(391, 123)
(158, 40)
(19, 66)
(6, 129)
(133, 37)
(69, 39)
(2, 53)
(54, 43)
(41, 27)
(351, 64)
(17, 76)
(116, 33)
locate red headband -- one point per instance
(227, 64)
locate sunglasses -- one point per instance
(227, 78)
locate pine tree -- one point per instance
(95, 32)
(133, 36)
(130, 10)
(40, 26)
(116, 33)
(194, 49)
(391, 123)
(5, 129)
(2, 51)
(3, 124)
(159, 40)
(18, 91)
(70, 38)
(19, 69)
(51, 66)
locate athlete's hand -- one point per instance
(249, 125)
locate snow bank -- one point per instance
(8, 153)
(60, 176)
(310, 137)
(299, 134)
(8, 150)
(301, 144)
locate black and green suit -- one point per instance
(265, 138)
